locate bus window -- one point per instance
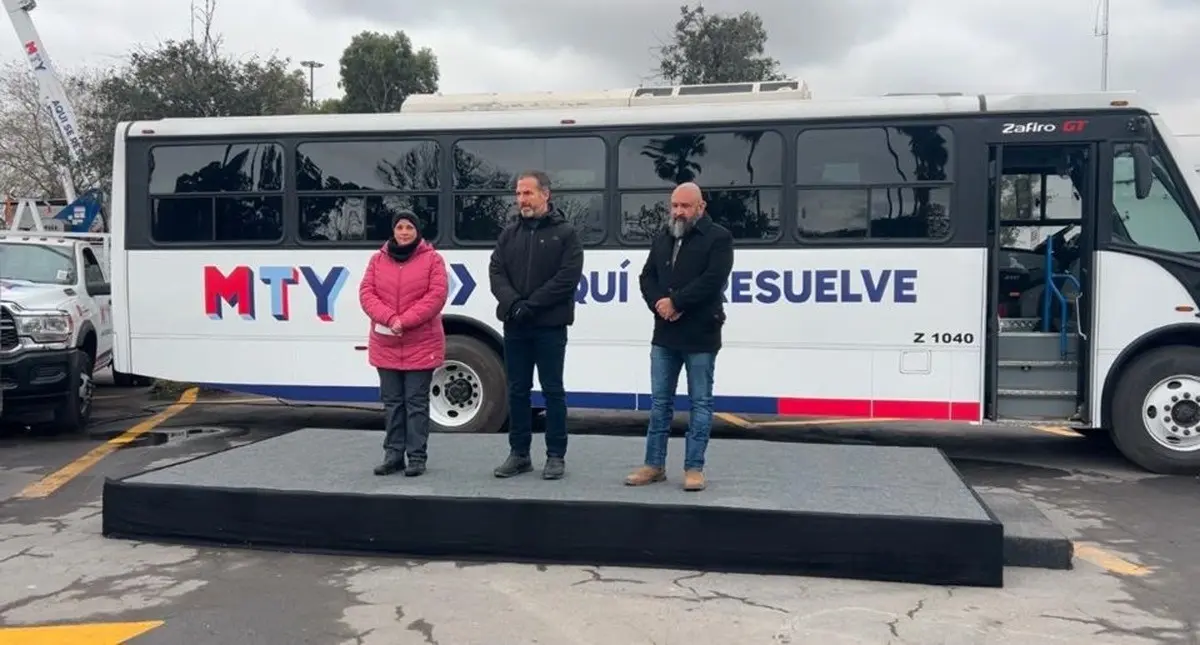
(1160, 221)
(349, 191)
(485, 178)
(216, 192)
(741, 174)
(874, 183)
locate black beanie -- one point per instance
(408, 215)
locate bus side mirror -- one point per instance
(1143, 173)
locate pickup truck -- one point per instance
(55, 324)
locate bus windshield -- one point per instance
(1160, 221)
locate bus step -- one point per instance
(1031, 325)
(1035, 404)
(1019, 324)
(1018, 375)
(1035, 346)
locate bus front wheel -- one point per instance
(1156, 411)
(468, 392)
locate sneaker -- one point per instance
(415, 469)
(646, 475)
(555, 468)
(391, 464)
(513, 466)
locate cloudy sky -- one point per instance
(840, 47)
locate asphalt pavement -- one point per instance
(1135, 536)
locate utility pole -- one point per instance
(312, 66)
(1102, 32)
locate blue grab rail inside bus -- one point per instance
(1053, 290)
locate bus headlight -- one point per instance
(44, 328)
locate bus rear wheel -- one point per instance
(1156, 411)
(468, 392)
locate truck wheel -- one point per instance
(75, 413)
(469, 392)
(1156, 411)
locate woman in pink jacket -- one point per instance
(403, 292)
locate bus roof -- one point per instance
(514, 116)
(630, 97)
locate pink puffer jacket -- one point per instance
(414, 292)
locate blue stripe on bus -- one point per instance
(584, 400)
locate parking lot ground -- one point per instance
(1135, 534)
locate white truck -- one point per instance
(55, 324)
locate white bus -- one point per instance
(939, 257)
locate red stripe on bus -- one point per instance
(881, 409)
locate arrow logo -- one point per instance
(462, 285)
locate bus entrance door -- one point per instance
(1042, 210)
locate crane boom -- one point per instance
(53, 94)
(82, 211)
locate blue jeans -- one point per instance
(665, 365)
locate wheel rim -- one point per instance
(86, 389)
(455, 396)
(1171, 413)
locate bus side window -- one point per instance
(1160, 221)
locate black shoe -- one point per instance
(390, 465)
(514, 465)
(555, 468)
(415, 469)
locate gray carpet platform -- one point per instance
(867, 512)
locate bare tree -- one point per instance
(31, 151)
(203, 16)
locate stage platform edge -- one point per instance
(896, 514)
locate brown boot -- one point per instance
(693, 480)
(645, 475)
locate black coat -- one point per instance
(694, 284)
(537, 263)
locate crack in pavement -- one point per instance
(893, 625)
(75, 576)
(26, 552)
(711, 595)
(596, 576)
(422, 627)
(1181, 635)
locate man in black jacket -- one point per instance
(682, 282)
(535, 270)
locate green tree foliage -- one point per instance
(711, 49)
(380, 70)
(187, 79)
(717, 49)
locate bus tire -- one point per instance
(469, 391)
(1143, 427)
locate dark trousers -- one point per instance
(405, 398)
(546, 349)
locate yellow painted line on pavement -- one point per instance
(822, 422)
(47, 485)
(81, 634)
(734, 419)
(1062, 431)
(241, 401)
(1108, 560)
